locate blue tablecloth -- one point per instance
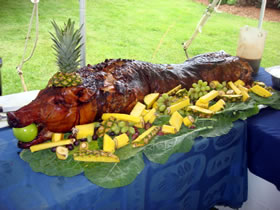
(213, 172)
(264, 140)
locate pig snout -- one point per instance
(13, 121)
(16, 119)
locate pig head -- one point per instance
(57, 109)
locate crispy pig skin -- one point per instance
(115, 85)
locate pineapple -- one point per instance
(67, 47)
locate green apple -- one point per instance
(27, 133)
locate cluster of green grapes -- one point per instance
(114, 127)
(163, 102)
(198, 89)
(123, 127)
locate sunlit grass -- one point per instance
(119, 28)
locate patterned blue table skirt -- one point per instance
(213, 172)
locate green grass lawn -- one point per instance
(119, 29)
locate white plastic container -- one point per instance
(251, 45)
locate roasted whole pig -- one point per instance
(116, 85)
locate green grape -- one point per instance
(124, 129)
(200, 94)
(200, 82)
(191, 90)
(204, 92)
(160, 100)
(224, 83)
(166, 112)
(122, 124)
(189, 93)
(202, 88)
(159, 104)
(117, 130)
(96, 124)
(114, 127)
(219, 86)
(225, 89)
(194, 85)
(207, 88)
(162, 108)
(165, 96)
(196, 95)
(197, 89)
(205, 83)
(131, 130)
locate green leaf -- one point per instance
(128, 151)
(217, 126)
(111, 175)
(240, 110)
(46, 162)
(272, 101)
(162, 147)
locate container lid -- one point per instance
(274, 71)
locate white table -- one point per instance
(16, 100)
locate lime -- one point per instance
(27, 133)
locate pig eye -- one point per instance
(58, 101)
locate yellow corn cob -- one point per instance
(121, 140)
(150, 99)
(240, 87)
(174, 90)
(209, 96)
(57, 137)
(83, 131)
(149, 115)
(234, 88)
(213, 84)
(232, 97)
(110, 158)
(108, 144)
(168, 129)
(188, 121)
(145, 111)
(175, 107)
(199, 109)
(201, 104)
(137, 109)
(176, 120)
(153, 118)
(244, 93)
(145, 137)
(262, 84)
(260, 91)
(140, 124)
(239, 82)
(155, 105)
(47, 145)
(219, 105)
(124, 117)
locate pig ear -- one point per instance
(85, 95)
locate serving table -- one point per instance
(214, 172)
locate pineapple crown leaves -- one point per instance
(67, 46)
